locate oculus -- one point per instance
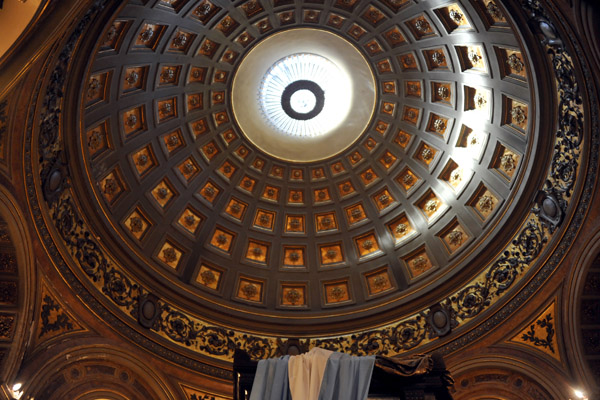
(305, 95)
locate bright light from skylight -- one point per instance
(303, 101)
(305, 95)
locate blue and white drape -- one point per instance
(317, 375)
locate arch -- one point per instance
(574, 286)
(91, 372)
(12, 214)
(490, 376)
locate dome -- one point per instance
(362, 176)
(400, 199)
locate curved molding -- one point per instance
(19, 21)
(571, 313)
(588, 14)
(71, 357)
(461, 367)
(39, 36)
(22, 241)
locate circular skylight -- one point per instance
(303, 101)
(305, 95)
(292, 94)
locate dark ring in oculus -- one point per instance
(302, 85)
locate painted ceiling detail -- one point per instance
(541, 334)
(54, 319)
(156, 189)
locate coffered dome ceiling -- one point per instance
(203, 209)
(195, 211)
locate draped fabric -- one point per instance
(417, 364)
(271, 380)
(305, 373)
(347, 377)
(317, 375)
